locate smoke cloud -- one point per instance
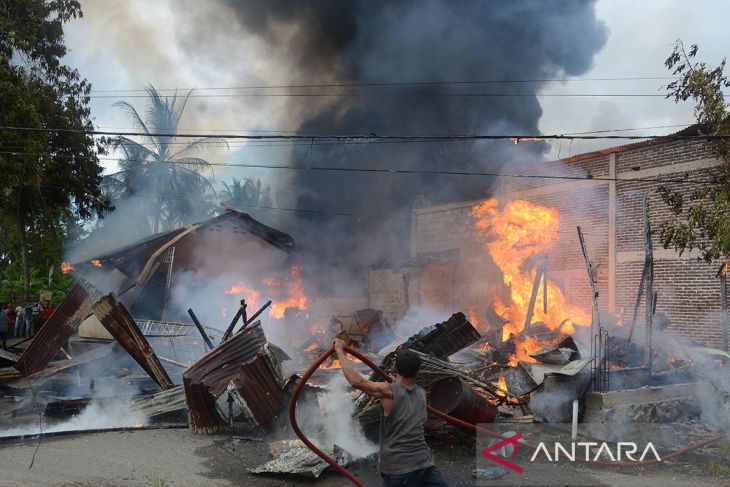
(370, 42)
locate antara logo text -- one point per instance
(624, 451)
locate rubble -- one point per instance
(57, 330)
(116, 319)
(244, 361)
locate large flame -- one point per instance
(519, 231)
(287, 292)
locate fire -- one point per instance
(96, 262)
(66, 267)
(502, 383)
(512, 236)
(251, 296)
(335, 364)
(313, 347)
(287, 292)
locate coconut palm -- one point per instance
(161, 171)
(247, 195)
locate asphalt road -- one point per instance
(178, 457)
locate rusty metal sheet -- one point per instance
(258, 386)
(117, 320)
(57, 330)
(444, 339)
(207, 378)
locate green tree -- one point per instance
(51, 178)
(247, 195)
(160, 172)
(700, 218)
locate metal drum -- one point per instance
(456, 398)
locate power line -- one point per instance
(398, 83)
(306, 142)
(293, 167)
(371, 136)
(404, 94)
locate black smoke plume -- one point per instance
(371, 41)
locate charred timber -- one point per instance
(118, 322)
(200, 328)
(240, 313)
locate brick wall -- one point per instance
(687, 290)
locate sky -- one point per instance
(125, 45)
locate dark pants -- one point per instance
(425, 477)
(3, 339)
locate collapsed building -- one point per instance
(534, 299)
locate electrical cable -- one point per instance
(294, 167)
(370, 136)
(399, 83)
(457, 422)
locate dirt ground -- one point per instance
(172, 457)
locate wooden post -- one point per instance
(544, 286)
(595, 318)
(649, 303)
(639, 295)
(533, 298)
(205, 336)
(723, 301)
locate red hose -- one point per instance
(455, 421)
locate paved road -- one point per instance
(181, 458)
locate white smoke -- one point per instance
(99, 414)
(329, 420)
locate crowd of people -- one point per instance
(22, 319)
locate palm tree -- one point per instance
(161, 173)
(247, 195)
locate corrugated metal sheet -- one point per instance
(444, 339)
(117, 320)
(207, 378)
(257, 384)
(57, 330)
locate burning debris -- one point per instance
(528, 360)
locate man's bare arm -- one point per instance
(380, 390)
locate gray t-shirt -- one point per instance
(403, 448)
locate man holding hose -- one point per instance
(405, 457)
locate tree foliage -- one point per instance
(162, 172)
(50, 180)
(700, 218)
(247, 195)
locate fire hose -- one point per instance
(450, 419)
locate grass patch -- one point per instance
(718, 470)
(154, 481)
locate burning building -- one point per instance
(209, 266)
(483, 255)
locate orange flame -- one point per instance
(66, 267)
(284, 293)
(335, 363)
(96, 262)
(519, 231)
